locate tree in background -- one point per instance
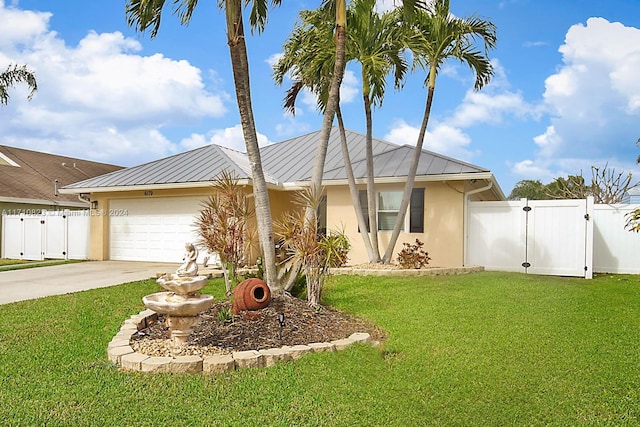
(528, 189)
(633, 218)
(16, 74)
(607, 186)
(146, 14)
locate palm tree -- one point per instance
(333, 96)
(16, 74)
(340, 8)
(436, 37)
(374, 41)
(146, 14)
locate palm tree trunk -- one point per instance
(355, 197)
(240, 65)
(332, 103)
(371, 185)
(406, 196)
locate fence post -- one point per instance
(588, 244)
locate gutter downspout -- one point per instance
(465, 248)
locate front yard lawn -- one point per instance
(481, 349)
(19, 264)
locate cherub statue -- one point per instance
(189, 267)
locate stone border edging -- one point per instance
(121, 353)
(435, 271)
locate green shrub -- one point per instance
(413, 255)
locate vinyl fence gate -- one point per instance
(552, 237)
(50, 235)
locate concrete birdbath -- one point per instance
(182, 302)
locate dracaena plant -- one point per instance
(223, 225)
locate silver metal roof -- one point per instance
(289, 161)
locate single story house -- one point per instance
(146, 212)
(30, 180)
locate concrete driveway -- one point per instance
(30, 283)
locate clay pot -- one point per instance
(250, 294)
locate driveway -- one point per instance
(18, 285)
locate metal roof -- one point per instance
(285, 162)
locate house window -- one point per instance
(389, 207)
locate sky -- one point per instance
(565, 95)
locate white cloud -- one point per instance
(528, 169)
(231, 137)
(386, 5)
(442, 139)
(100, 93)
(593, 99)
(20, 26)
(350, 88)
(548, 142)
(446, 135)
(596, 90)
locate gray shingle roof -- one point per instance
(285, 162)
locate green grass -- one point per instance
(19, 264)
(482, 349)
(8, 261)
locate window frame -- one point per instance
(413, 218)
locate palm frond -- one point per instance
(144, 15)
(16, 74)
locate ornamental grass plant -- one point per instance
(480, 349)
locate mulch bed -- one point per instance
(256, 330)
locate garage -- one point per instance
(152, 229)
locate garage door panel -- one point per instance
(153, 229)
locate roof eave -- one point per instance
(169, 186)
(396, 179)
(42, 202)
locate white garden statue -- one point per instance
(189, 267)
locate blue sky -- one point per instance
(566, 94)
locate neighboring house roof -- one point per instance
(30, 176)
(285, 163)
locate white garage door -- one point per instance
(152, 229)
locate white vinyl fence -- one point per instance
(50, 235)
(555, 237)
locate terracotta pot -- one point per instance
(250, 294)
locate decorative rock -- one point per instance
(322, 346)
(343, 343)
(125, 335)
(133, 361)
(297, 351)
(186, 364)
(115, 354)
(116, 342)
(360, 337)
(156, 364)
(273, 355)
(248, 359)
(218, 364)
